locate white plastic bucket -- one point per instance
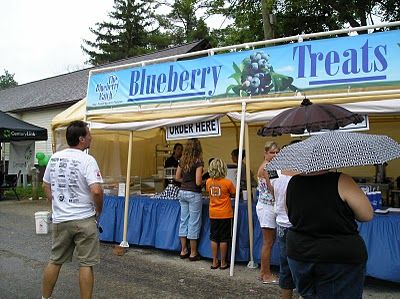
(42, 221)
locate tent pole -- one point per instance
(3, 159)
(251, 263)
(239, 172)
(124, 242)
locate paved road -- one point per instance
(140, 273)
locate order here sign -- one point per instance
(200, 129)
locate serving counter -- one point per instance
(155, 223)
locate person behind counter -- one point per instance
(220, 190)
(173, 161)
(206, 175)
(189, 172)
(235, 160)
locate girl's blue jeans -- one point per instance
(191, 205)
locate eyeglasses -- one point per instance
(273, 153)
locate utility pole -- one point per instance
(267, 17)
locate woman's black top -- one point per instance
(324, 228)
(189, 178)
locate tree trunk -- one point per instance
(266, 6)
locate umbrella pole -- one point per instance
(239, 172)
(251, 263)
(124, 242)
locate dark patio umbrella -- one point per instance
(310, 117)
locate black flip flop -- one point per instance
(215, 267)
(224, 267)
(184, 256)
(194, 258)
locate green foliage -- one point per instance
(244, 19)
(137, 27)
(294, 17)
(7, 80)
(181, 23)
(389, 10)
(25, 193)
(132, 31)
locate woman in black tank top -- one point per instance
(326, 254)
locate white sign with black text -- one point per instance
(207, 128)
(22, 156)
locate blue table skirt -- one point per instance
(155, 223)
(382, 238)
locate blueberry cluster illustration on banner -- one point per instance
(256, 76)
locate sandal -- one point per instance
(194, 258)
(274, 280)
(215, 267)
(184, 256)
(224, 267)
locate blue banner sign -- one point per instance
(362, 60)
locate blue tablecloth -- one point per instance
(155, 223)
(382, 238)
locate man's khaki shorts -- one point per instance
(78, 235)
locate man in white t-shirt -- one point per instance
(72, 181)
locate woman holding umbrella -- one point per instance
(327, 256)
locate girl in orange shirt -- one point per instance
(220, 190)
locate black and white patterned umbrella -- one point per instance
(335, 149)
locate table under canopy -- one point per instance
(155, 223)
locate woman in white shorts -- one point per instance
(265, 212)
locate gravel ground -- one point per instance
(140, 273)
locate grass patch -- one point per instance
(25, 193)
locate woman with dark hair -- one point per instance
(173, 160)
(189, 173)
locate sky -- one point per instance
(42, 39)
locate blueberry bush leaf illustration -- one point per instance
(236, 68)
(230, 87)
(256, 76)
(237, 77)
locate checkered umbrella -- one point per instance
(310, 117)
(335, 149)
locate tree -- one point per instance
(244, 18)
(7, 80)
(181, 23)
(299, 17)
(389, 10)
(250, 19)
(132, 31)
